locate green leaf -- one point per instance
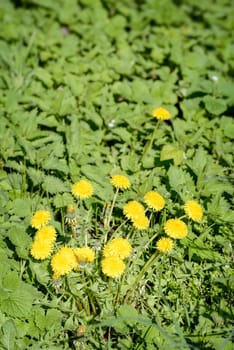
(11, 281)
(125, 316)
(172, 152)
(124, 135)
(199, 161)
(62, 200)
(40, 270)
(180, 181)
(214, 106)
(36, 176)
(53, 185)
(53, 318)
(21, 240)
(21, 207)
(9, 334)
(44, 76)
(18, 303)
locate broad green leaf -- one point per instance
(214, 106)
(53, 318)
(199, 161)
(11, 281)
(172, 152)
(41, 271)
(180, 180)
(22, 241)
(53, 184)
(18, 303)
(21, 207)
(9, 334)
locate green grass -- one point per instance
(79, 80)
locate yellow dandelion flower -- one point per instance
(46, 233)
(70, 209)
(176, 228)
(133, 209)
(81, 331)
(40, 218)
(120, 181)
(41, 250)
(165, 244)
(64, 261)
(193, 210)
(118, 247)
(161, 113)
(113, 266)
(154, 200)
(84, 254)
(141, 222)
(82, 189)
(70, 217)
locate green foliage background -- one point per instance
(78, 82)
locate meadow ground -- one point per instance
(116, 180)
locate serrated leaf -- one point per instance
(180, 181)
(44, 76)
(123, 134)
(36, 176)
(18, 303)
(53, 318)
(53, 185)
(57, 164)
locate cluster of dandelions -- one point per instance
(68, 259)
(117, 250)
(174, 228)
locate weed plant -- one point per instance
(116, 177)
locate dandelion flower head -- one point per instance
(154, 200)
(176, 228)
(84, 254)
(41, 250)
(120, 181)
(119, 247)
(141, 222)
(193, 210)
(70, 209)
(82, 189)
(113, 266)
(165, 245)
(46, 234)
(133, 209)
(161, 113)
(40, 218)
(64, 261)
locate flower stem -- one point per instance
(112, 207)
(149, 144)
(143, 271)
